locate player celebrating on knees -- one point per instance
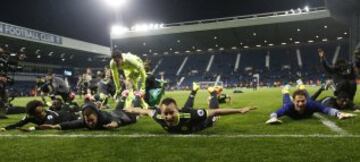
(187, 120)
(302, 107)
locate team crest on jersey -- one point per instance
(49, 117)
(200, 112)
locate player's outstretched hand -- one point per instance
(247, 109)
(273, 121)
(140, 93)
(125, 93)
(2, 129)
(343, 115)
(111, 125)
(48, 126)
(26, 129)
(195, 86)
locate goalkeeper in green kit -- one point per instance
(134, 76)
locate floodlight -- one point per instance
(306, 8)
(118, 30)
(115, 3)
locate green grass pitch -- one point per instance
(233, 138)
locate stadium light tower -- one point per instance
(116, 5)
(116, 29)
(306, 8)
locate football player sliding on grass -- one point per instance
(302, 107)
(188, 120)
(95, 119)
(37, 114)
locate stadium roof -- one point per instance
(35, 37)
(90, 20)
(48, 48)
(266, 30)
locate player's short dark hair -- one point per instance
(32, 105)
(299, 92)
(116, 54)
(45, 89)
(57, 99)
(343, 95)
(98, 98)
(168, 101)
(89, 108)
(88, 112)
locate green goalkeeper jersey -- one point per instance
(133, 68)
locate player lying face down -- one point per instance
(302, 107)
(341, 102)
(187, 120)
(37, 114)
(95, 119)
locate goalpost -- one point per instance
(205, 84)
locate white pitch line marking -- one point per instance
(178, 136)
(331, 125)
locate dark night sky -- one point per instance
(90, 20)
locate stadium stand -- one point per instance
(201, 55)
